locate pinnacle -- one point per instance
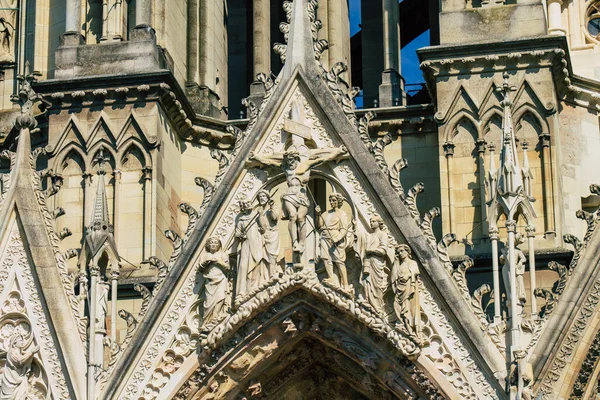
(300, 47)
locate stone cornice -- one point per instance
(158, 87)
(550, 52)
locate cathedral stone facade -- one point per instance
(193, 206)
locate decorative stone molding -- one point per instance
(22, 310)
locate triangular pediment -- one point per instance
(305, 117)
(367, 193)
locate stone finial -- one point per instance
(26, 97)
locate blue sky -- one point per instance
(410, 62)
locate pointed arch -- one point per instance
(528, 109)
(457, 120)
(274, 333)
(131, 201)
(132, 144)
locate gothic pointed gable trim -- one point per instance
(95, 133)
(28, 201)
(23, 306)
(72, 134)
(133, 122)
(447, 292)
(571, 318)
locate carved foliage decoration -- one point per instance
(31, 367)
(54, 237)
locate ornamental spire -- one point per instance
(507, 191)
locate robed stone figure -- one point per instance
(268, 216)
(377, 257)
(405, 284)
(214, 266)
(19, 356)
(252, 265)
(335, 229)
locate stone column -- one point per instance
(549, 227)
(338, 34)
(143, 12)
(511, 227)
(147, 177)
(143, 18)
(116, 204)
(481, 145)
(73, 18)
(114, 280)
(72, 35)
(261, 47)
(261, 36)
(192, 42)
(88, 197)
(391, 90)
(555, 18)
(530, 230)
(91, 389)
(449, 152)
(104, 20)
(493, 233)
(118, 20)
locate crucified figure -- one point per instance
(297, 172)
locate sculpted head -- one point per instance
(403, 252)
(291, 158)
(213, 244)
(376, 222)
(245, 206)
(336, 200)
(263, 197)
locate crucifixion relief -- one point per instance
(297, 162)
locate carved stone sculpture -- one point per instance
(102, 306)
(251, 266)
(7, 31)
(519, 272)
(373, 249)
(297, 171)
(404, 279)
(19, 356)
(214, 265)
(334, 227)
(268, 215)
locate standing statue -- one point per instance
(297, 171)
(19, 356)
(334, 228)
(214, 265)
(6, 41)
(519, 272)
(102, 305)
(268, 216)
(404, 278)
(251, 266)
(373, 249)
